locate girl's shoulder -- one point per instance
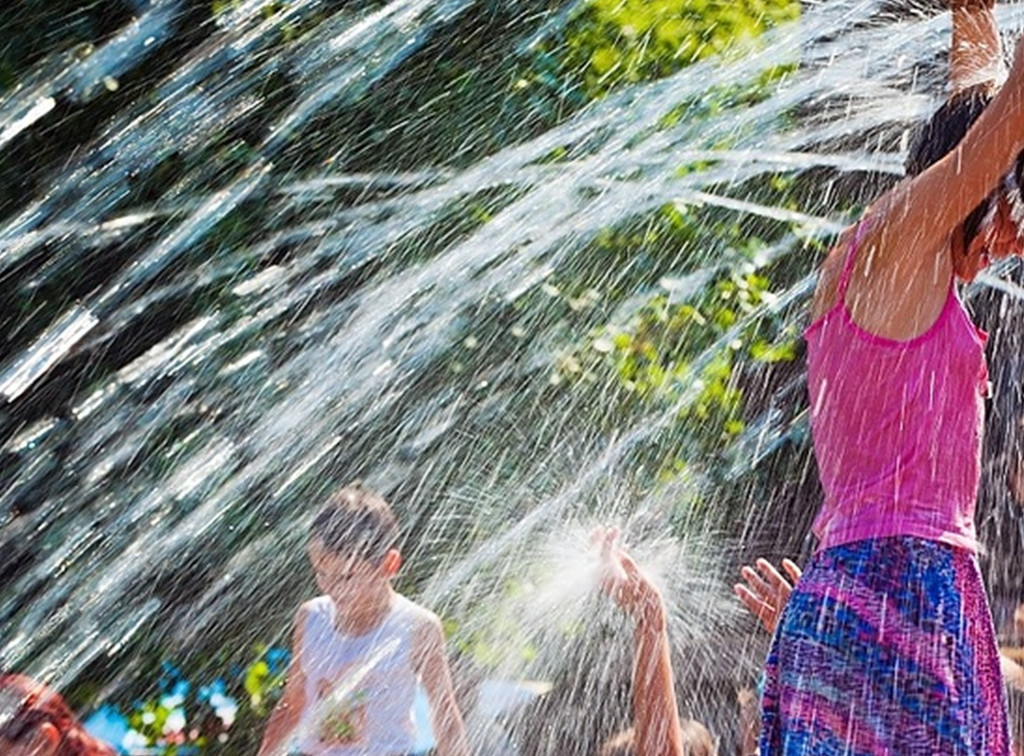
(830, 272)
(831, 269)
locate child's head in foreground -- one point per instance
(353, 546)
(697, 741)
(36, 721)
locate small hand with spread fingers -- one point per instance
(767, 591)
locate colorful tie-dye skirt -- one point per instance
(886, 647)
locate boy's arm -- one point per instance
(285, 717)
(431, 665)
(976, 53)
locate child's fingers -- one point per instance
(604, 537)
(628, 563)
(612, 536)
(772, 575)
(637, 580)
(614, 563)
(766, 613)
(755, 605)
(792, 569)
(759, 586)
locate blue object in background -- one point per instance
(421, 718)
(108, 724)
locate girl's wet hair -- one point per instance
(1011, 189)
(356, 521)
(943, 132)
(26, 704)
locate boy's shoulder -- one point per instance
(417, 614)
(319, 606)
(316, 604)
(424, 626)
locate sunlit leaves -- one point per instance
(684, 356)
(612, 42)
(264, 678)
(222, 716)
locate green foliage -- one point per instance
(672, 312)
(474, 91)
(224, 716)
(684, 354)
(32, 29)
(722, 97)
(457, 99)
(267, 10)
(263, 681)
(612, 42)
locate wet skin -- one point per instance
(996, 241)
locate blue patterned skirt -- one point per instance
(886, 647)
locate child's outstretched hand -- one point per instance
(624, 581)
(655, 713)
(767, 591)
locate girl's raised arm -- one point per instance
(912, 222)
(976, 53)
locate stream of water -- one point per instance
(351, 329)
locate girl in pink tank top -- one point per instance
(886, 644)
(896, 424)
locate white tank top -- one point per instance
(360, 689)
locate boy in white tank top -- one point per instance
(359, 650)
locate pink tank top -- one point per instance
(897, 425)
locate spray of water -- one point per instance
(167, 434)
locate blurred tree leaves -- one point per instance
(612, 42)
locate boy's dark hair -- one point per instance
(358, 522)
(942, 133)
